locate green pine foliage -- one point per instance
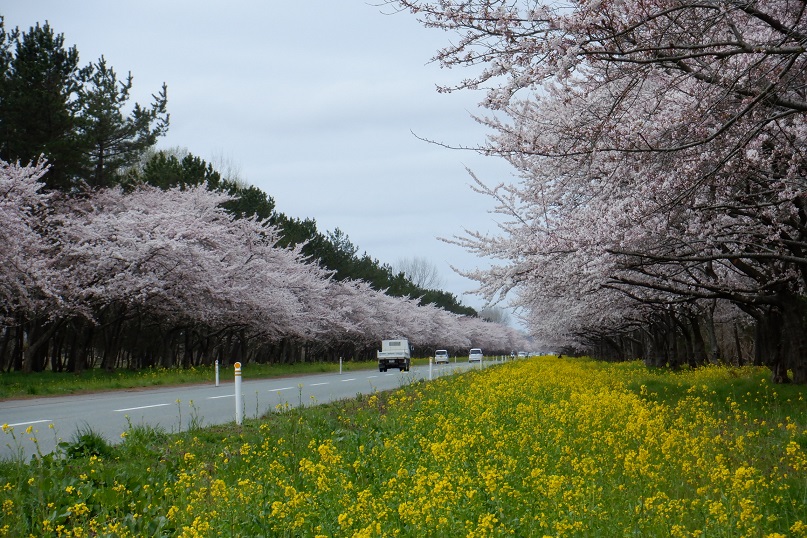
(73, 116)
(110, 140)
(38, 85)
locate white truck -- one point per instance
(394, 354)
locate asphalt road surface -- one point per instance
(55, 419)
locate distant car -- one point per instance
(522, 354)
(441, 355)
(475, 355)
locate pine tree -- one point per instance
(111, 141)
(37, 103)
(51, 108)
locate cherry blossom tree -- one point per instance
(179, 256)
(21, 207)
(29, 288)
(169, 277)
(659, 147)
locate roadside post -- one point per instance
(430, 368)
(340, 365)
(217, 373)
(238, 410)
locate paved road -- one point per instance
(55, 419)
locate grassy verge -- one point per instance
(22, 385)
(540, 447)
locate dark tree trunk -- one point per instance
(5, 343)
(794, 339)
(699, 356)
(781, 342)
(739, 355)
(35, 347)
(709, 326)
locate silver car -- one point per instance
(441, 355)
(475, 355)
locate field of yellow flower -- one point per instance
(540, 447)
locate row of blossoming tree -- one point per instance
(660, 146)
(166, 278)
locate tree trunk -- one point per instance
(737, 345)
(34, 353)
(709, 325)
(781, 343)
(763, 350)
(699, 356)
(5, 357)
(794, 325)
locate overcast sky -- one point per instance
(313, 102)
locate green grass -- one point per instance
(25, 385)
(541, 447)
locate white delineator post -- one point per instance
(217, 373)
(238, 412)
(340, 365)
(430, 368)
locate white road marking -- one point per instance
(26, 423)
(137, 408)
(318, 384)
(350, 379)
(278, 390)
(217, 397)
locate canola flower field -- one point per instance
(540, 447)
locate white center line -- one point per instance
(278, 390)
(217, 397)
(318, 384)
(349, 379)
(141, 407)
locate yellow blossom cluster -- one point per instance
(541, 447)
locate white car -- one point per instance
(441, 355)
(475, 355)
